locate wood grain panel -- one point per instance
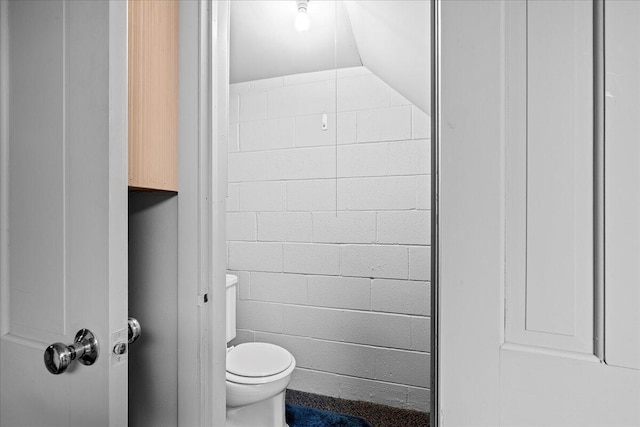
(153, 94)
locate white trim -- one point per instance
(434, 350)
(219, 101)
(118, 218)
(25, 342)
(549, 352)
(4, 169)
(190, 204)
(201, 218)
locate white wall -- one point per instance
(347, 293)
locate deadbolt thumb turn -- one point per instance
(58, 356)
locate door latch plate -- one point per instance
(119, 347)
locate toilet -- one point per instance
(257, 375)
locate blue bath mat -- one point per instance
(299, 416)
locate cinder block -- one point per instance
(373, 391)
(386, 124)
(243, 336)
(267, 134)
(239, 88)
(262, 196)
(420, 263)
(404, 227)
(315, 382)
(264, 84)
(315, 195)
(241, 226)
(244, 167)
(327, 356)
(421, 334)
(259, 316)
(301, 99)
(314, 322)
(403, 367)
(233, 138)
(311, 258)
(419, 399)
(302, 78)
(234, 108)
(233, 201)
(401, 296)
(284, 227)
(244, 284)
(255, 256)
(353, 72)
(309, 131)
(362, 93)
(397, 99)
(421, 124)
(344, 227)
(385, 193)
(389, 262)
(279, 287)
(300, 163)
(378, 329)
(253, 106)
(339, 292)
(356, 160)
(409, 157)
(423, 195)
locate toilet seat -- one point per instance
(258, 363)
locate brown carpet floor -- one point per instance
(377, 415)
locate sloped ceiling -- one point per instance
(265, 43)
(389, 37)
(393, 39)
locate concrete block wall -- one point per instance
(331, 241)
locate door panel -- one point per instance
(528, 356)
(622, 184)
(549, 211)
(66, 252)
(36, 70)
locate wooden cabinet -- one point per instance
(153, 95)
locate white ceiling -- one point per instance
(389, 37)
(394, 42)
(265, 43)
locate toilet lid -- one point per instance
(257, 359)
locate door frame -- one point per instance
(435, 188)
(203, 58)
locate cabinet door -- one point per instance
(153, 94)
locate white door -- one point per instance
(63, 210)
(539, 213)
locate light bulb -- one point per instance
(302, 20)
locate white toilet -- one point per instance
(257, 376)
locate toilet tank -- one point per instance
(232, 286)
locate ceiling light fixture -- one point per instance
(302, 18)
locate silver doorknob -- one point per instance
(58, 356)
(134, 330)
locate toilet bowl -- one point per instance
(257, 376)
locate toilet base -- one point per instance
(265, 413)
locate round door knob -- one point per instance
(58, 356)
(134, 330)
